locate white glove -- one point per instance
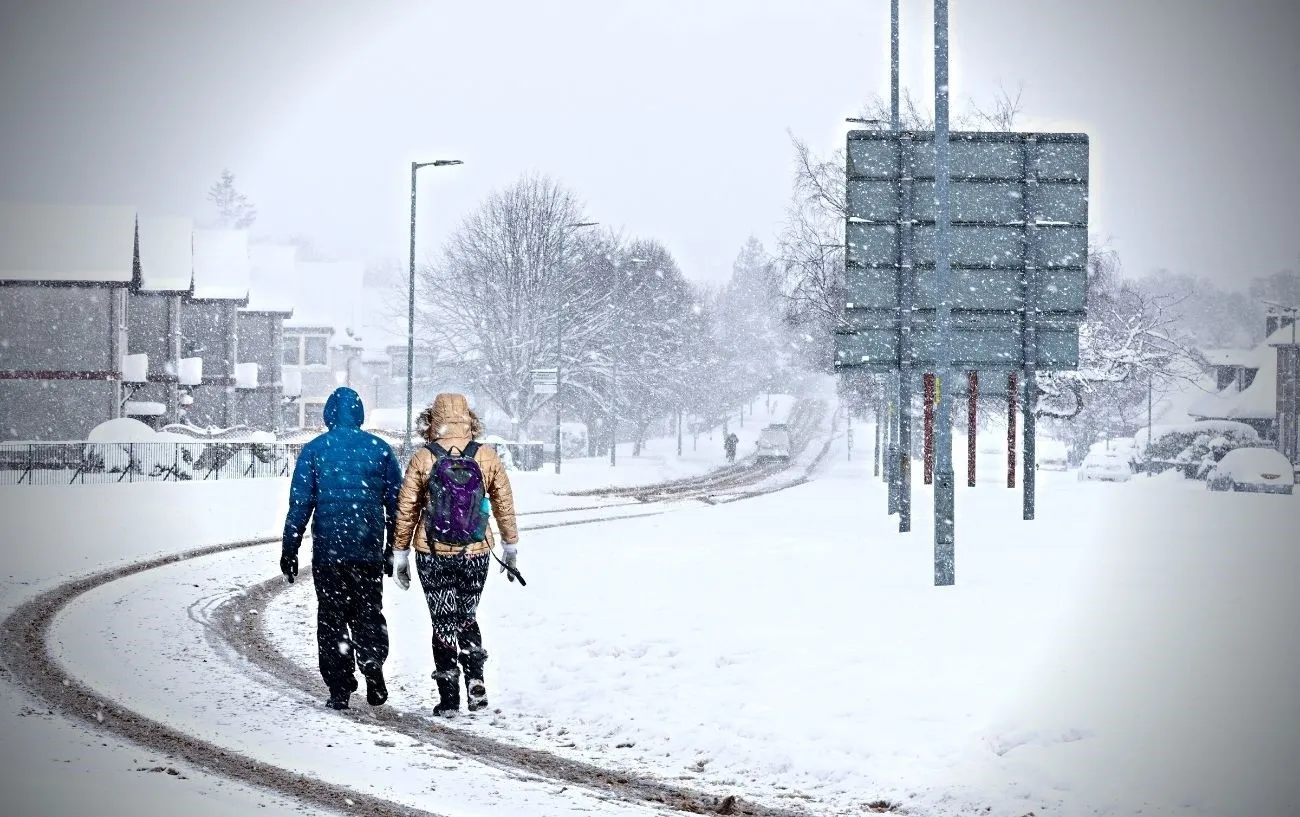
(509, 556)
(402, 568)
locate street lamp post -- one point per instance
(410, 307)
(613, 377)
(559, 347)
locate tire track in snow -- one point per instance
(25, 654)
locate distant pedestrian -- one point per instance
(346, 481)
(729, 444)
(451, 485)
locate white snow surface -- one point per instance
(1131, 650)
(221, 269)
(273, 278)
(135, 368)
(49, 765)
(144, 408)
(191, 371)
(246, 375)
(73, 243)
(166, 253)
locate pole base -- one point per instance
(945, 529)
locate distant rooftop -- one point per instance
(273, 283)
(221, 269)
(67, 243)
(166, 254)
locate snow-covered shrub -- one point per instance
(1195, 448)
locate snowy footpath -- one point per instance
(1133, 650)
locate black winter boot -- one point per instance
(338, 699)
(448, 691)
(472, 661)
(376, 689)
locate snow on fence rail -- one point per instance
(68, 463)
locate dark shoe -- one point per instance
(448, 692)
(376, 689)
(338, 700)
(475, 694)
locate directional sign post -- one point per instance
(546, 381)
(1017, 242)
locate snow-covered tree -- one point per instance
(234, 210)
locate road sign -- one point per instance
(546, 381)
(1019, 250)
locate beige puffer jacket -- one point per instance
(450, 428)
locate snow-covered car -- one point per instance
(1257, 470)
(773, 444)
(1055, 461)
(1110, 466)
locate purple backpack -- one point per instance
(455, 514)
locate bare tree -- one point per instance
(1130, 336)
(509, 293)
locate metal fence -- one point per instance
(81, 463)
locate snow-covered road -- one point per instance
(1133, 649)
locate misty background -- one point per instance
(671, 119)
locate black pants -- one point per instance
(452, 587)
(350, 627)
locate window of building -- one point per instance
(315, 350)
(313, 415)
(292, 351)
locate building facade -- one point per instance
(64, 277)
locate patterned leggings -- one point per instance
(452, 587)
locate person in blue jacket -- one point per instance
(346, 482)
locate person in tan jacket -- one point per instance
(452, 573)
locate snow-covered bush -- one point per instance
(1195, 448)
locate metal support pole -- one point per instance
(972, 425)
(944, 501)
(613, 411)
(875, 453)
(1147, 445)
(559, 350)
(679, 432)
(893, 65)
(928, 390)
(1013, 390)
(410, 327)
(1031, 435)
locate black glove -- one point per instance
(388, 560)
(289, 565)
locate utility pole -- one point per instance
(410, 308)
(559, 346)
(944, 510)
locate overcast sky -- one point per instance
(669, 118)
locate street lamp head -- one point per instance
(436, 163)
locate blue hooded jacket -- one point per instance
(346, 481)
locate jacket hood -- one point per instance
(343, 409)
(449, 417)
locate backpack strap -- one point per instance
(471, 449)
(437, 450)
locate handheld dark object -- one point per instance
(519, 577)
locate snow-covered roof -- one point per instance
(166, 253)
(328, 294)
(1229, 357)
(221, 268)
(1259, 400)
(273, 281)
(78, 244)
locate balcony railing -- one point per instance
(68, 463)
